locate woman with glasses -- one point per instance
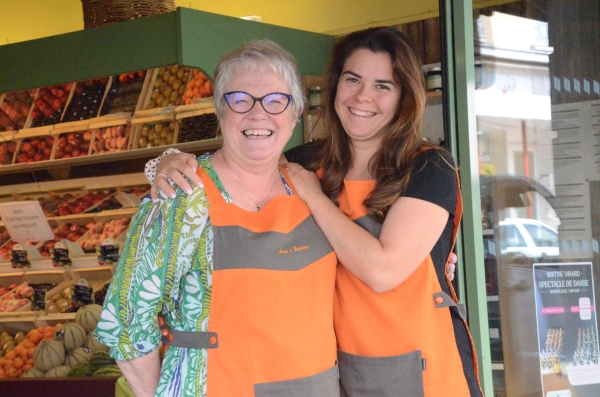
(237, 272)
(390, 207)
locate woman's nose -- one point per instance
(364, 94)
(257, 111)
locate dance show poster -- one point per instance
(567, 329)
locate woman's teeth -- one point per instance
(257, 133)
(361, 113)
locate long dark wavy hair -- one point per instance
(392, 164)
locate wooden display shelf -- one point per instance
(52, 319)
(96, 215)
(202, 145)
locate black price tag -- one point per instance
(60, 257)
(19, 259)
(107, 254)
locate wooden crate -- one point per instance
(96, 277)
(142, 124)
(113, 131)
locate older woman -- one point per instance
(238, 269)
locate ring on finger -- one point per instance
(166, 177)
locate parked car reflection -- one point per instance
(527, 237)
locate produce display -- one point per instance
(169, 86)
(61, 302)
(15, 108)
(35, 149)
(197, 128)
(157, 134)
(49, 104)
(16, 298)
(7, 152)
(111, 139)
(86, 100)
(73, 144)
(4, 250)
(69, 231)
(198, 87)
(77, 204)
(17, 355)
(4, 237)
(124, 93)
(6, 290)
(100, 231)
(50, 204)
(55, 351)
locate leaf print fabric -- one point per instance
(165, 268)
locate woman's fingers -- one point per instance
(190, 171)
(451, 266)
(161, 182)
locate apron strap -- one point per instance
(189, 340)
(442, 299)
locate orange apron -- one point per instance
(271, 318)
(401, 342)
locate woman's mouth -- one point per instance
(361, 113)
(257, 133)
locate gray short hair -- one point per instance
(258, 55)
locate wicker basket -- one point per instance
(101, 12)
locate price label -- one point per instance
(60, 257)
(107, 254)
(19, 259)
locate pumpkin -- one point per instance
(93, 344)
(88, 317)
(48, 354)
(72, 335)
(58, 372)
(78, 356)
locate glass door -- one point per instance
(537, 103)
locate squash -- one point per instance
(58, 372)
(72, 335)
(93, 344)
(33, 373)
(78, 356)
(88, 317)
(48, 354)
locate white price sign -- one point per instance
(25, 221)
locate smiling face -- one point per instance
(256, 135)
(367, 95)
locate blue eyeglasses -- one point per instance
(242, 102)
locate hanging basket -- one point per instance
(101, 12)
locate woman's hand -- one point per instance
(305, 182)
(175, 167)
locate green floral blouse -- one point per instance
(165, 268)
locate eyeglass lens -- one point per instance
(241, 102)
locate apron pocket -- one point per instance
(324, 384)
(393, 376)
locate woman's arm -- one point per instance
(142, 373)
(175, 165)
(410, 231)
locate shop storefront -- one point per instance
(519, 108)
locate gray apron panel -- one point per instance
(236, 247)
(324, 384)
(370, 225)
(394, 376)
